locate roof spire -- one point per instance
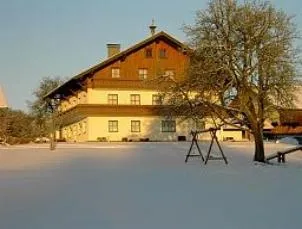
(152, 27)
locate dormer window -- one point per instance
(115, 72)
(148, 52)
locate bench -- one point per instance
(280, 155)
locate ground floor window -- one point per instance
(135, 126)
(113, 126)
(168, 126)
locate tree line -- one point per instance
(20, 127)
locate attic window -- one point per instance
(148, 52)
(115, 72)
(169, 73)
(142, 73)
(162, 53)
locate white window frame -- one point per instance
(115, 72)
(135, 126)
(113, 126)
(142, 73)
(111, 99)
(134, 100)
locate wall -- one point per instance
(100, 96)
(76, 132)
(233, 134)
(150, 128)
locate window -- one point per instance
(135, 99)
(135, 126)
(170, 73)
(112, 126)
(162, 53)
(168, 126)
(112, 99)
(156, 100)
(148, 52)
(142, 73)
(115, 72)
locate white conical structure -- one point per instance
(3, 101)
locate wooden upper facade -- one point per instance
(133, 68)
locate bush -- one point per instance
(18, 140)
(101, 139)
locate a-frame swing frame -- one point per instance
(208, 155)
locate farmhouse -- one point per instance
(118, 99)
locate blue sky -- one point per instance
(40, 38)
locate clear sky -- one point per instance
(40, 38)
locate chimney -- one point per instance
(152, 28)
(113, 49)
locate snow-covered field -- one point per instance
(146, 185)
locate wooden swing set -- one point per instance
(208, 155)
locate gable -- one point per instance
(132, 56)
(164, 56)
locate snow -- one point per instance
(146, 185)
(289, 140)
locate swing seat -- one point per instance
(215, 158)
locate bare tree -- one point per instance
(242, 66)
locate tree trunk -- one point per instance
(259, 145)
